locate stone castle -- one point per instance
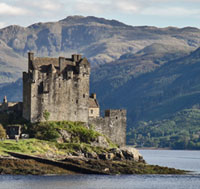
(60, 86)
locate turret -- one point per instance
(5, 99)
(76, 57)
(30, 60)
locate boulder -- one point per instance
(118, 155)
(131, 153)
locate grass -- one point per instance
(29, 146)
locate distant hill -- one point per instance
(100, 40)
(152, 72)
(158, 94)
(180, 131)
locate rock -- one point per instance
(111, 156)
(92, 155)
(100, 141)
(64, 136)
(103, 156)
(131, 153)
(118, 155)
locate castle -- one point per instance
(60, 86)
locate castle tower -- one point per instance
(59, 86)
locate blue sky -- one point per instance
(160, 13)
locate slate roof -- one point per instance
(93, 103)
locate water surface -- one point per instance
(188, 160)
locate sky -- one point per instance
(160, 13)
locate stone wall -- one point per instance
(62, 91)
(113, 125)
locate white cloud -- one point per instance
(127, 6)
(6, 9)
(2, 25)
(170, 11)
(47, 5)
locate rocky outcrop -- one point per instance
(124, 153)
(119, 154)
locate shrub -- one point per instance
(45, 131)
(46, 115)
(2, 132)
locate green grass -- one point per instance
(29, 146)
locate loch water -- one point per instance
(187, 160)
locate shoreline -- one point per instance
(152, 148)
(74, 166)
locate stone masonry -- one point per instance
(60, 86)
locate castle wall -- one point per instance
(112, 125)
(64, 92)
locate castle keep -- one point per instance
(60, 86)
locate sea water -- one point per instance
(187, 160)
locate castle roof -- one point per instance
(45, 61)
(93, 103)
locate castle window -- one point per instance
(116, 117)
(83, 95)
(91, 111)
(59, 85)
(76, 101)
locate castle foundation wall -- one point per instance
(113, 125)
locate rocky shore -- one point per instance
(124, 160)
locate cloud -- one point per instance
(6, 9)
(127, 6)
(2, 24)
(47, 5)
(170, 11)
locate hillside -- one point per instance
(100, 40)
(152, 72)
(180, 131)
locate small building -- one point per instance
(93, 106)
(13, 131)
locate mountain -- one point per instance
(156, 95)
(132, 65)
(100, 40)
(153, 72)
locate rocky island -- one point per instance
(62, 128)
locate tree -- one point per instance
(2, 132)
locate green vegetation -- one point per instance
(30, 146)
(181, 131)
(46, 115)
(57, 138)
(51, 131)
(2, 132)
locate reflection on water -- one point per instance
(189, 160)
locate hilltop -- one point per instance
(100, 40)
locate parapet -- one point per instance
(112, 113)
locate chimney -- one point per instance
(5, 99)
(93, 95)
(76, 57)
(61, 63)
